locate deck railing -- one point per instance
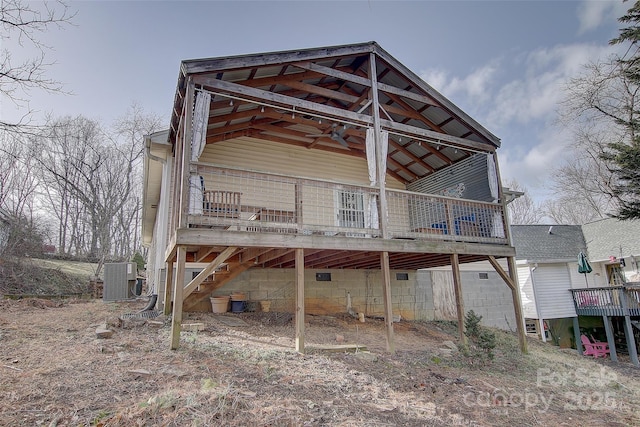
(607, 301)
(240, 200)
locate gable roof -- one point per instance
(612, 237)
(292, 96)
(547, 243)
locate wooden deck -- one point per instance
(607, 301)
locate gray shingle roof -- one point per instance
(606, 237)
(540, 243)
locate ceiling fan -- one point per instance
(335, 134)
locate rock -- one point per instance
(366, 355)
(155, 323)
(192, 327)
(103, 333)
(451, 345)
(140, 373)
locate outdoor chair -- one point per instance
(595, 349)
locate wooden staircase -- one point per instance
(198, 300)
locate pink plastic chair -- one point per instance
(595, 349)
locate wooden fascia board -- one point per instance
(199, 236)
(273, 58)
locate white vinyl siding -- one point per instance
(266, 156)
(552, 283)
(526, 292)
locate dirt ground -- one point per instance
(54, 371)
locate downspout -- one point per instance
(147, 147)
(154, 296)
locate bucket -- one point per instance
(265, 306)
(238, 306)
(238, 296)
(219, 304)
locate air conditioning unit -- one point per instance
(119, 281)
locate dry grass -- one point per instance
(54, 371)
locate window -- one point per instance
(351, 209)
(483, 276)
(323, 277)
(402, 276)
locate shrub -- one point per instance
(478, 335)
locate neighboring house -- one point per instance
(614, 251)
(547, 263)
(318, 179)
(552, 289)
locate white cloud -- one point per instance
(534, 94)
(475, 86)
(592, 14)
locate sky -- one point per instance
(505, 63)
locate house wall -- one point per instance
(409, 298)
(490, 298)
(266, 156)
(159, 240)
(552, 283)
(471, 172)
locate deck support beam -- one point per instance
(511, 279)
(388, 308)
(178, 287)
(168, 287)
(457, 287)
(631, 341)
(300, 300)
(608, 328)
(576, 335)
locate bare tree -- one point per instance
(94, 178)
(523, 210)
(25, 23)
(596, 108)
(18, 182)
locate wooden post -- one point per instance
(517, 305)
(388, 308)
(457, 287)
(631, 341)
(300, 300)
(576, 335)
(608, 328)
(511, 280)
(184, 178)
(380, 161)
(176, 318)
(168, 284)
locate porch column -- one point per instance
(457, 287)
(608, 328)
(168, 283)
(183, 208)
(388, 308)
(631, 341)
(178, 287)
(381, 162)
(300, 300)
(576, 335)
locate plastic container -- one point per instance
(220, 304)
(238, 306)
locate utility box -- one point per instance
(119, 281)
